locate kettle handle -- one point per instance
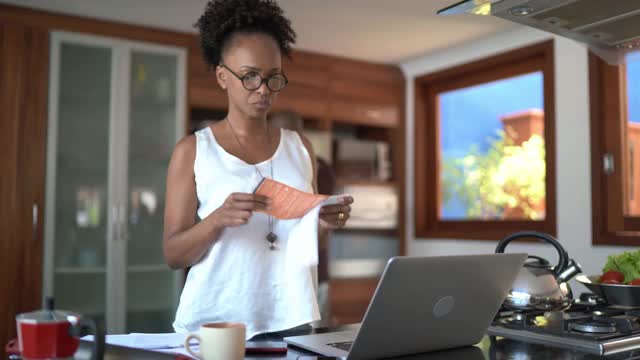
(563, 260)
(80, 329)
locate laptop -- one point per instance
(424, 304)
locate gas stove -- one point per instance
(589, 325)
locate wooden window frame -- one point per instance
(608, 120)
(537, 57)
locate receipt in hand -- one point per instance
(288, 202)
(291, 203)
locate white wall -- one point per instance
(573, 166)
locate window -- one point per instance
(615, 137)
(485, 147)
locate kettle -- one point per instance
(54, 334)
(540, 286)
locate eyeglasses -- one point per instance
(252, 80)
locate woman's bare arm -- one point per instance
(184, 241)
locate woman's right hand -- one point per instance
(238, 208)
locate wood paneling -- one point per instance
(49, 21)
(349, 298)
(308, 101)
(23, 100)
(307, 92)
(365, 93)
(428, 224)
(307, 69)
(364, 113)
(380, 74)
(54, 21)
(204, 91)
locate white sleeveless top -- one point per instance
(240, 279)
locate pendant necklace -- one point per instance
(271, 236)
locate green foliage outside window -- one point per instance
(506, 177)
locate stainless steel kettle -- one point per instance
(540, 286)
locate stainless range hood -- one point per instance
(611, 28)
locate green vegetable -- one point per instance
(627, 263)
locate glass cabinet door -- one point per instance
(77, 176)
(116, 110)
(155, 123)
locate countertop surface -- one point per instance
(489, 348)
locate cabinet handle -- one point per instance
(115, 229)
(123, 223)
(34, 221)
(608, 164)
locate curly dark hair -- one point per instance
(224, 18)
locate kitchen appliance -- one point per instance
(613, 294)
(54, 334)
(611, 29)
(589, 325)
(540, 286)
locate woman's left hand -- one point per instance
(336, 216)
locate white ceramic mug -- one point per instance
(219, 341)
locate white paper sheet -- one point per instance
(146, 341)
(302, 249)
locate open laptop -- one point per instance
(423, 304)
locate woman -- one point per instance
(238, 266)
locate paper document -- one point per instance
(146, 341)
(288, 202)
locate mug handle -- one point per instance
(79, 330)
(187, 345)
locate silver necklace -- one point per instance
(271, 236)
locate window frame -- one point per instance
(608, 121)
(536, 57)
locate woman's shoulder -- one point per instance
(292, 135)
(185, 149)
(298, 136)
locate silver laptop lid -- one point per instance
(430, 303)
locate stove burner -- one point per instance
(593, 326)
(598, 327)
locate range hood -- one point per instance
(611, 28)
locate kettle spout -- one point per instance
(572, 269)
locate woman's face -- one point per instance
(250, 53)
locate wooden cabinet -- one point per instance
(364, 113)
(307, 91)
(23, 100)
(203, 90)
(349, 298)
(365, 93)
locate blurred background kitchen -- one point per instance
(450, 133)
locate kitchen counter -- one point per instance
(490, 348)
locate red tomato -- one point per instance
(610, 281)
(634, 282)
(612, 275)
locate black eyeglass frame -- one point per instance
(262, 80)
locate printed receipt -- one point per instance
(288, 202)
